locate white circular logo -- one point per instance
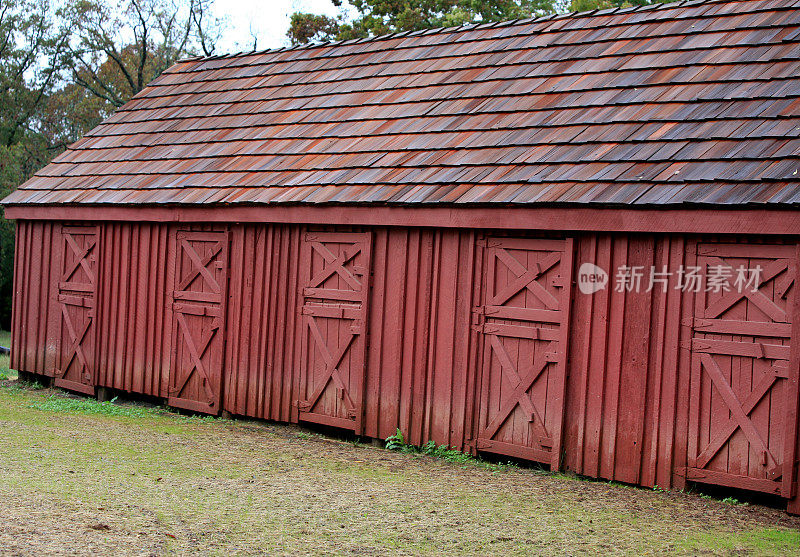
(591, 278)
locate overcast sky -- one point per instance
(269, 20)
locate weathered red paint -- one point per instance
(476, 340)
(135, 345)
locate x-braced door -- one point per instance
(201, 275)
(77, 293)
(743, 390)
(334, 314)
(523, 322)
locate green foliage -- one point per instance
(397, 442)
(733, 501)
(589, 5)
(379, 17)
(311, 28)
(29, 49)
(67, 404)
(21, 386)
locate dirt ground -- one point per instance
(81, 478)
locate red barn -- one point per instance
(571, 239)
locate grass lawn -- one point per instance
(5, 372)
(81, 477)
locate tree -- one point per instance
(587, 5)
(28, 51)
(30, 46)
(307, 28)
(378, 17)
(118, 47)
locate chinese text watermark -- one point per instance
(638, 278)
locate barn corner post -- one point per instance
(792, 438)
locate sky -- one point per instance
(268, 19)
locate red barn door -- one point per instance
(77, 294)
(743, 390)
(336, 268)
(201, 276)
(525, 314)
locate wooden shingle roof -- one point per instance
(686, 103)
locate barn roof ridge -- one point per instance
(460, 28)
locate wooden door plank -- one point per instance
(559, 381)
(790, 437)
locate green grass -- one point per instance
(5, 372)
(762, 541)
(61, 403)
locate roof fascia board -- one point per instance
(589, 219)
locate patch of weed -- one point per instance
(397, 442)
(733, 501)
(59, 403)
(198, 418)
(18, 386)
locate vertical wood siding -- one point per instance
(420, 344)
(133, 347)
(631, 413)
(261, 355)
(35, 315)
(627, 370)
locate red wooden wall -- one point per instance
(476, 340)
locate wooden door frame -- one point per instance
(178, 331)
(785, 486)
(566, 264)
(61, 299)
(306, 257)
